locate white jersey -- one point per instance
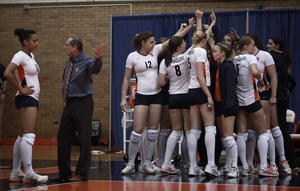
(27, 72)
(198, 55)
(264, 59)
(245, 89)
(178, 72)
(146, 68)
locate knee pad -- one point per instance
(270, 135)
(243, 136)
(135, 137)
(152, 135)
(212, 129)
(176, 135)
(165, 132)
(19, 139)
(29, 138)
(251, 134)
(229, 142)
(276, 132)
(195, 132)
(264, 137)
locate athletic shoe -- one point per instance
(16, 177)
(157, 169)
(285, 167)
(233, 173)
(170, 169)
(147, 169)
(128, 169)
(252, 169)
(224, 171)
(155, 162)
(184, 166)
(141, 167)
(195, 171)
(35, 178)
(212, 170)
(267, 172)
(274, 167)
(245, 172)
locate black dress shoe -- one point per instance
(77, 179)
(58, 178)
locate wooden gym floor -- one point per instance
(105, 175)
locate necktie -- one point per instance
(66, 87)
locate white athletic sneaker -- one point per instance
(245, 172)
(128, 169)
(157, 169)
(285, 167)
(170, 169)
(274, 167)
(212, 170)
(16, 177)
(195, 171)
(233, 173)
(224, 171)
(147, 169)
(35, 178)
(267, 172)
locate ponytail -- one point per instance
(287, 56)
(174, 43)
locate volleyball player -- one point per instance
(148, 98)
(249, 103)
(22, 74)
(176, 69)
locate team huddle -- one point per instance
(226, 87)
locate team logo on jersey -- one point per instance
(151, 54)
(257, 58)
(76, 69)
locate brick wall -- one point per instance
(92, 24)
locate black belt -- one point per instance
(70, 99)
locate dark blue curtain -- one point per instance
(286, 24)
(124, 29)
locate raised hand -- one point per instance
(98, 50)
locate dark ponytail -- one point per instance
(24, 34)
(174, 42)
(287, 56)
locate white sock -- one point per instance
(150, 145)
(250, 146)
(279, 143)
(233, 155)
(262, 146)
(161, 144)
(241, 145)
(26, 152)
(232, 150)
(17, 159)
(271, 148)
(227, 155)
(171, 143)
(210, 143)
(134, 145)
(192, 146)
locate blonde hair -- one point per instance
(198, 36)
(228, 51)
